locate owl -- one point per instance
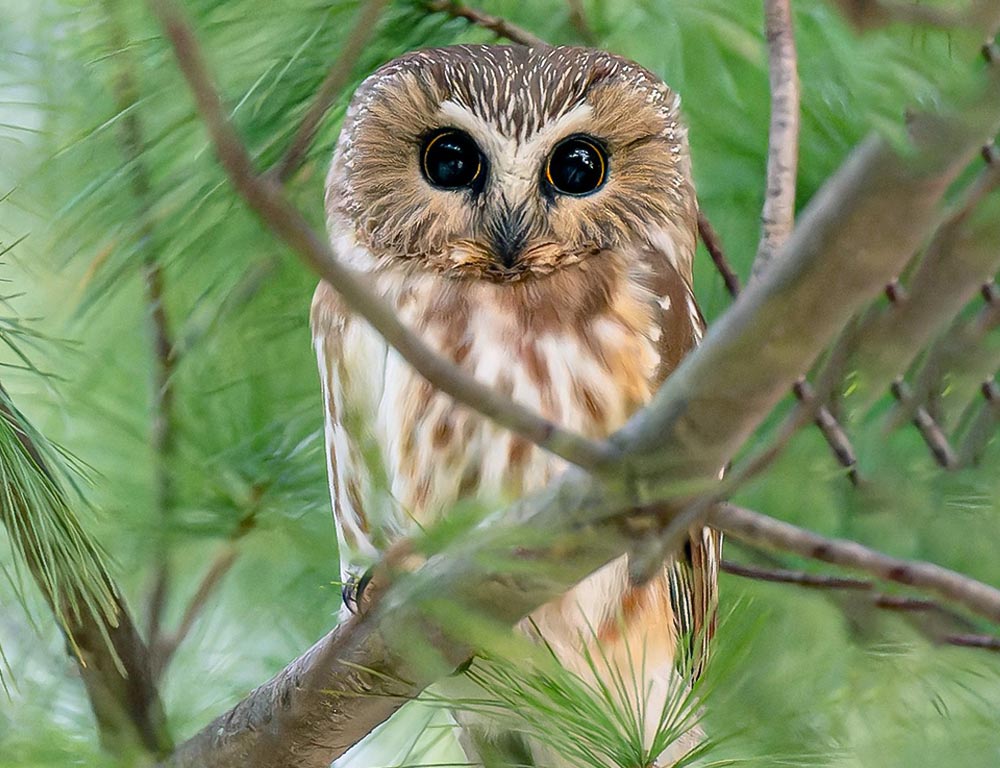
(529, 212)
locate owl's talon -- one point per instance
(353, 590)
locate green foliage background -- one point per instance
(811, 679)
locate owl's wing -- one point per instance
(692, 577)
(351, 359)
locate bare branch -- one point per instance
(788, 576)
(164, 651)
(162, 437)
(929, 429)
(835, 435)
(578, 18)
(961, 354)
(499, 26)
(714, 247)
(333, 84)
(960, 255)
(983, 427)
(926, 615)
(778, 215)
(980, 15)
(266, 198)
(762, 531)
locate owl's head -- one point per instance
(507, 163)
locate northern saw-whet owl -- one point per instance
(530, 213)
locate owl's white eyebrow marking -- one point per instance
(572, 121)
(517, 161)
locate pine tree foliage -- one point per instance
(91, 101)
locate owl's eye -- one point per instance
(451, 159)
(577, 166)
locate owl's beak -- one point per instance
(508, 234)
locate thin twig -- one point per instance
(778, 216)
(958, 634)
(162, 422)
(832, 431)
(929, 429)
(266, 198)
(167, 647)
(789, 576)
(714, 247)
(578, 18)
(959, 351)
(760, 530)
(332, 84)
(983, 426)
(499, 26)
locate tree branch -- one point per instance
(778, 215)
(499, 26)
(929, 429)
(983, 427)
(578, 18)
(162, 436)
(870, 14)
(163, 652)
(933, 614)
(332, 85)
(762, 531)
(267, 200)
(714, 247)
(960, 354)
(950, 273)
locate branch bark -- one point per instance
(499, 26)
(960, 256)
(162, 433)
(778, 215)
(762, 531)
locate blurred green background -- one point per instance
(811, 678)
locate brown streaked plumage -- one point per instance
(575, 300)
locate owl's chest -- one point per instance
(588, 374)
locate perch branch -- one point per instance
(265, 197)
(778, 215)
(332, 85)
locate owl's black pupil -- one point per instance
(576, 167)
(451, 160)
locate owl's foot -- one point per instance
(353, 590)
